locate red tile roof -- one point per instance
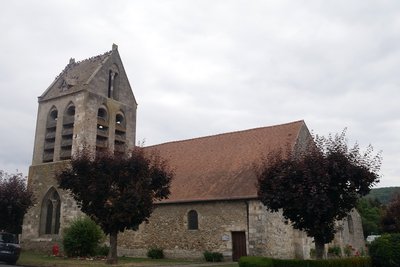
(221, 167)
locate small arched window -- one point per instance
(193, 220)
(102, 114)
(119, 120)
(53, 115)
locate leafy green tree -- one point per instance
(371, 212)
(385, 251)
(319, 185)
(15, 200)
(117, 192)
(391, 217)
(384, 194)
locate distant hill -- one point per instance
(384, 194)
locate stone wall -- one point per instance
(266, 232)
(168, 229)
(268, 235)
(351, 233)
(41, 179)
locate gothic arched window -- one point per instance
(193, 220)
(50, 213)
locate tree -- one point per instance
(391, 217)
(317, 186)
(117, 192)
(15, 200)
(371, 212)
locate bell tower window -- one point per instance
(102, 129)
(120, 134)
(50, 136)
(67, 132)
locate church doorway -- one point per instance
(238, 245)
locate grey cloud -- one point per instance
(200, 68)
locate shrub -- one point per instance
(155, 253)
(385, 251)
(102, 250)
(82, 237)
(334, 251)
(267, 262)
(213, 256)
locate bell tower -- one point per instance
(90, 103)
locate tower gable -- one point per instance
(90, 87)
(103, 75)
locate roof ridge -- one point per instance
(72, 63)
(227, 133)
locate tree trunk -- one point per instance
(112, 254)
(319, 249)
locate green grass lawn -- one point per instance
(28, 258)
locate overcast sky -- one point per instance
(206, 67)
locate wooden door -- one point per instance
(238, 245)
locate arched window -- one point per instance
(102, 129)
(102, 114)
(50, 213)
(193, 220)
(120, 133)
(50, 136)
(350, 224)
(67, 132)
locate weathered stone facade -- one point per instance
(90, 104)
(168, 228)
(266, 232)
(213, 204)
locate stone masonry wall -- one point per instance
(268, 234)
(168, 229)
(41, 179)
(351, 233)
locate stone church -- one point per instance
(213, 204)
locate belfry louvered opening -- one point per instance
(102, 129)
(50, 135)
(120, 134)
(67, 132)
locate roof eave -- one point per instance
(186, 201)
